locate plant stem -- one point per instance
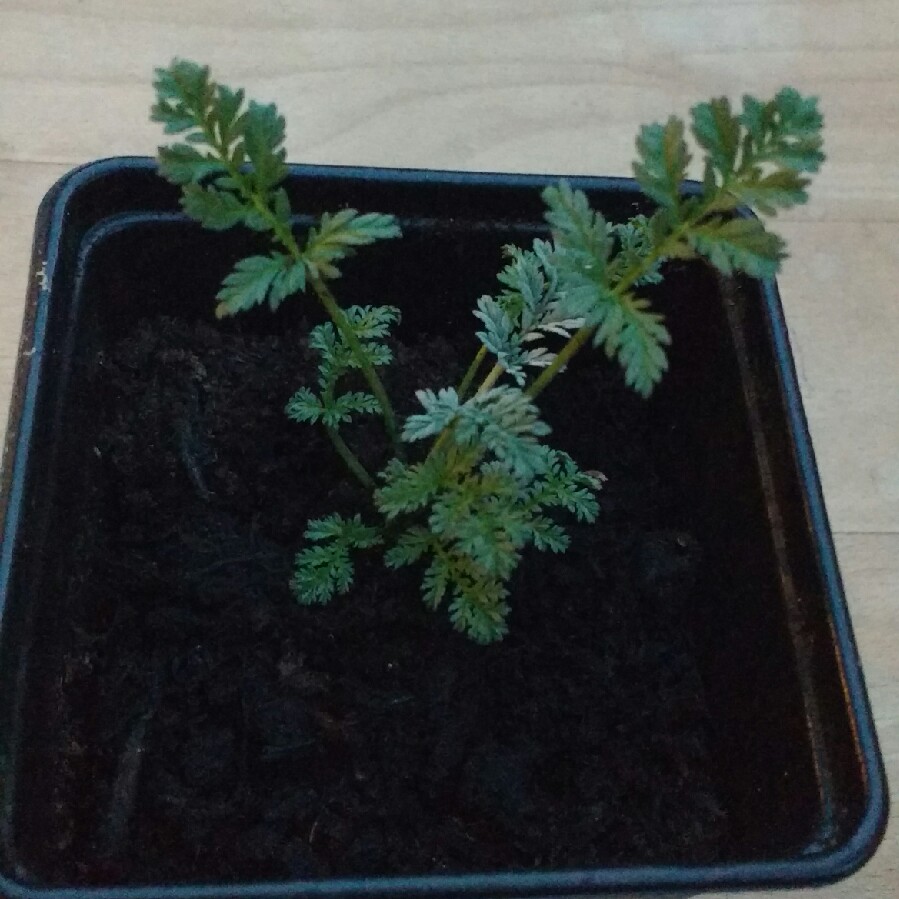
(472, 372)
(343, 450)
(492, 377)
(348, 456)
(564, 356)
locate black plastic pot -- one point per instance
(795, 751)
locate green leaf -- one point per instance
(281, 206)
(663, 161)
(538, 302)
(411, 545)
(345, 406)
(213, 208)
(785, 131)
(304, 406)
(483, 524)
(368, 323)
(263, 136)
(352, 531)
(548, 536)
(564, 485)
(183, 96)
(435, 582)
(481, 613)
(575, 225)
(372, 322)
(635, 245)
(440, 409)
(256, 220)
(321, 572)
(500, 337)
(183, 164)
(337, 236)
(324, 570)
(248, 285)
(717, 131)
(504, 421)
(290, 279)
(226, 120)
(739, 244)
(257, 279)
(780, 189)
(407, 488)
(628, 329)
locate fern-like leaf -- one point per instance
(441, 408)
(663, 160)
(263, 142)
(337, 237)
(628, 329)
(408, 488)
(574, 224)
(213, 208)
(636, 250)
(326, 569)
(564, 485)
(739, 244)
(785, 131)
(257, 279)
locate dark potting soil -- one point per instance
(206, 727)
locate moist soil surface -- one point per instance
(203, 726)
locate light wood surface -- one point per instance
(530, 85)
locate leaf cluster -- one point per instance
(272, 278)
(489, 487)
(371, 325)
(484, 501)
(535, 305)
(236, 147)
(326, 569)
(600, 265)
(759, 157)
(230, 165)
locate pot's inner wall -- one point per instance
(766, 760)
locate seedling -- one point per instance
(481, 483)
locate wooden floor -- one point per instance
(522, 85)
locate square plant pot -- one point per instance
(679, 705)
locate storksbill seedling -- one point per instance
(488, 486)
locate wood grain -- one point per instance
(521, 85)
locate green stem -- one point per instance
(343, 450)
(564, 356)
(348, 456)
(472, 372)
(492, 377)
(439, 443)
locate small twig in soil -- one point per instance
(124, 787)
(190, 462)
(235, 560)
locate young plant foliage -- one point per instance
(481, 485)
(231, 166)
